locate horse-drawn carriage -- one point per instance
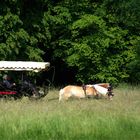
(24, 87)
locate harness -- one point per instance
(84, 88)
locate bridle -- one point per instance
(110, 93)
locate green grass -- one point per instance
(86, 119)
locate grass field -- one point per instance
(86, 119)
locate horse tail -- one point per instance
(61, 92)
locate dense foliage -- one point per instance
(86, 41)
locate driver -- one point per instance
(7, 81)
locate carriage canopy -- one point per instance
(24, 65)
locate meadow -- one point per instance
(86, 119)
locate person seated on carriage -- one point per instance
(8, 82)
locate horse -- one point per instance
(77, 91)
(84, 91)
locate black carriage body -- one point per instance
(24, 88)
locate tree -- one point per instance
(95, 44)
(94, 41)
(16, 43)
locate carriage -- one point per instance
(24, 87)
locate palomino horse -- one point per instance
(86, 91)
(76, 91)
